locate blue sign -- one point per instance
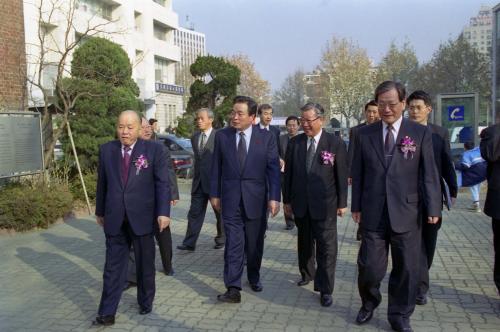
(456, 113)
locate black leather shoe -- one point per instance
(364, 316)
(129, 284)
(303, 282)
(289, 227)
(144, 311)
(231, 296)
(169, 273)
(421, 300)
(404, 327)
(184, 247)
(257, 287)
(219, 246)
(325, 300)
(104, 321)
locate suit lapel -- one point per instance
(195, 143)
(116, 160)
(136, 152)
(256, 136)
(231, 146)
(378, 142)
(210, 140)
(302, 153)
(321, 146)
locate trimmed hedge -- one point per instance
(90, 183)
(25, 206)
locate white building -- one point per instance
(144, 29)
(192, 45)
(479, 31)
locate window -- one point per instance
(160, 32)
(95, 7)
(160, 2)
(161, 70)
(138, 21)
(49, 76)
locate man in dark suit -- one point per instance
(265, 113)
(419, 108)
(390, 157)
(164, 239)
(490, 151)
(371, 116)
(316, 190)
(203, 148)
(245, 183)
(292, 128)
(132, 195)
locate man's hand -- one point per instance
(274, 207)
(287, 209)
(100, 221)
(282, 165)
(432, 220)
(163, 222)
(341, 212)
(215, 202)
(356, 216)
(173, 202)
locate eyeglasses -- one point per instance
(309, 122)
(392, 106)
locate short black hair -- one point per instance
(263, 107)
(370, 103)
(252, 105)
(388, 86)
(290, 118)
(420, 95)
(318, 109)
(469, 145)
(151, 121)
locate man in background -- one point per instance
(419, 109)
(292, 128)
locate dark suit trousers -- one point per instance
(243, 236)
(429, 240)
(196, 216)
(115, 269)
(164, 240)
(404, 277)
(289, 219)
(321, 234)
(496, 245)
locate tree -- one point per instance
(290, 97)
(457, 67)
(251, 83)
(398, 65)
(350, 83)
(106, 68)
(51, 53)
(214, 87)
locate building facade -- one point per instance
(12, 56)
(143, 28)
(479, 31)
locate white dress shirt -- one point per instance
(207, 135)
(248, 136)
(316, 140)
(395, 129)
(130, 151)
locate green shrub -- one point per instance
(90, 180)
(24, 206)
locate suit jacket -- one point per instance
(490, 151)
(202, 162)
(444, 161)
(276, 132)
(375, 184)
(283, 141)
(174, 188)
(324, 189)
(260, 179)
(353, 136)
(143, 198)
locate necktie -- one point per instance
(311, 151)
(125, 164)
(202, 141)
(389, 144)
(242, 150)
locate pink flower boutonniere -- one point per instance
(140, 163)
(327, 158)
(408, 146)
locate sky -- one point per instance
(281, 36)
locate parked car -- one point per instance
(181, 153)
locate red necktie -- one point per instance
(125, 164)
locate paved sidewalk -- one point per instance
(51, 281)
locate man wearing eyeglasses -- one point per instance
(389, 158)
(315, 191)
(245, 183)
(419, 108)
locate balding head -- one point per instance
(128, 127)
(146, 129)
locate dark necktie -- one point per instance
(389, 144)
(202, 142)
(242, 150)
(311, 151)
(125, 164)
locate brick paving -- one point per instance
(51, 281)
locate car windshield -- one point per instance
(185, 143)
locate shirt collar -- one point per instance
(248, 132)
(207, 132)
(131, 147)
(263, 127)
(396, 125)
(317, 137)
